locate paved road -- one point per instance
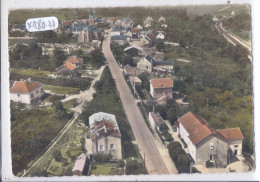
(143, 136)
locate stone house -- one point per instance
(146, 64)
(67, 70)
(105, 135)
(26, 91)
(79, 165)
(155, 120)
(132, 71)
(76, 61)
(135, 33)
(206, 144)
(133, 50)
(145, 41)
(161, 88)
(89, 34)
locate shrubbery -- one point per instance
(179, 157)
(102, 158)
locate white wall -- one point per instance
(185, 136)
(22, 98)
(238, 148)
(151, 121)
(26, 98)
(114, 33)
(151, 90)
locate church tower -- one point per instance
(91, 17)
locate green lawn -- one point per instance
(31, 72)
(102, 170)
(62, 90)
(69, 104)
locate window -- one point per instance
(211, 146)
(235, 152)
(36, 91)
(18, 95)
(211, 157)
(112, 147)
(31, 95)
(235, 146)
(101, 148)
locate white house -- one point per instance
(26, 91)
(146, 64)
(115, 31)
(105, 135)
(139, 27)
(160, 36)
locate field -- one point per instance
(31, 72)
(61, 90)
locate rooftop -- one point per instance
(133, 47)
(74, 59)
(231, 134)
(162, 83)
(70, 66)
(103, 124)
(157, 118)
(80, 163)
(25, 86)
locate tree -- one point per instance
(160, 46)
(144, 77)
(58, 106)
(97, 57)
(59, 57)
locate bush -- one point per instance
(209, 164)
(133, 167)
(102, 158)
(179, 157)
(57, 155)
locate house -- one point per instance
(164, 25)
(119, 38)
(139, 27)
(144, 33)
(160, 36)
(161, 88)
(105, 135)
(79, 165)
(67, 70)
(155, 120)
(132, 71)
(135, 81)
(76, 28)
(146, 64)
(161, 19)
(26, 91)
(206, 144)
(135, 33)
(133, 50)
(89, 33)
(76, 61)
(115, 31)
(163, 67)
(129, 35)
(145, 41)
(152, 38)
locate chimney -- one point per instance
(30, 79)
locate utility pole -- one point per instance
(207, 108)
(134, 81)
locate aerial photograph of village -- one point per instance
(132, 90)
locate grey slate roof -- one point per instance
(149, 58)
(119, 37)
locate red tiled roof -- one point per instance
(231, 134)
(74, 59)
(104, 128)
(162, 83)
(70, 66)
(135, 30)
(80, 163)
(196, 126)
(25, 86)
